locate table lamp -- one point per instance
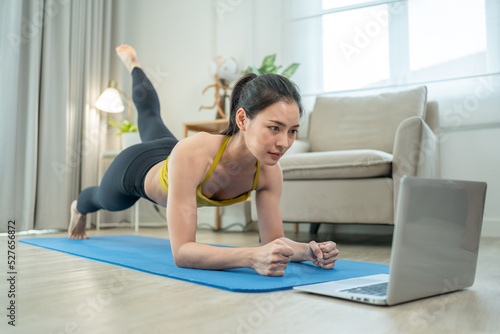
(110, 100)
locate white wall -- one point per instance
(249, 30)
(174, 42)
(470, 137)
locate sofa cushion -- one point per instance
(363, 122)
(349, 164)
(298, 146)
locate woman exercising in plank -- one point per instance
(210, 170)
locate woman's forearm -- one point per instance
(268, 260)
(200, 256)
(300, 249)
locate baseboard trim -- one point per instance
(491, 228)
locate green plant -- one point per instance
(269, 67)
(126, 126)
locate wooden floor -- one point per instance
(61, 293)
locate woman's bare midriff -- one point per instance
(152, 185)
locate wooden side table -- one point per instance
(215, 126)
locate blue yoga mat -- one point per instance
(154, 256)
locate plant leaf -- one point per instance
(250, 69)
(267, 69)
(113, 123)
(126, 126)
(290, 70)
(269, 60)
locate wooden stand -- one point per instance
(215, 126)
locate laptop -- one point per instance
(434, 248)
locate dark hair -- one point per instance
(255, 93)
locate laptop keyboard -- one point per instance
(379, 289)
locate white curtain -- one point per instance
(56, 59)
(20, 51)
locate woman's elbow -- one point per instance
(181, 259)
(178, 262)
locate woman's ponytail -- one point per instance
(235, 101)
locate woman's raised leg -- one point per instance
(151, 126)
(110, 194)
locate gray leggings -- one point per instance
(123, 183)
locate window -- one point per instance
(357, 44)
(444, 42)
(331, 4)
(355, 48)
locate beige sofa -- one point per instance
(357, 149)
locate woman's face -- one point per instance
(272, 131)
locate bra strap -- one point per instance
(216, 159)
(256, 177)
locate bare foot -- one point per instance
(77, 224)
(128, 56)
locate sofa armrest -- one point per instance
(298, 146)
(415, 152)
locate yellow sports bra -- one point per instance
(201, 200)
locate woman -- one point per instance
(207, 169)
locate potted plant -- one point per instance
(268, 66)
(128, 131)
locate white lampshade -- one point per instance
(110, 101)
(225, 67)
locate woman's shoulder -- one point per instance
(269, 176)
(199, 145)
(192, 156)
